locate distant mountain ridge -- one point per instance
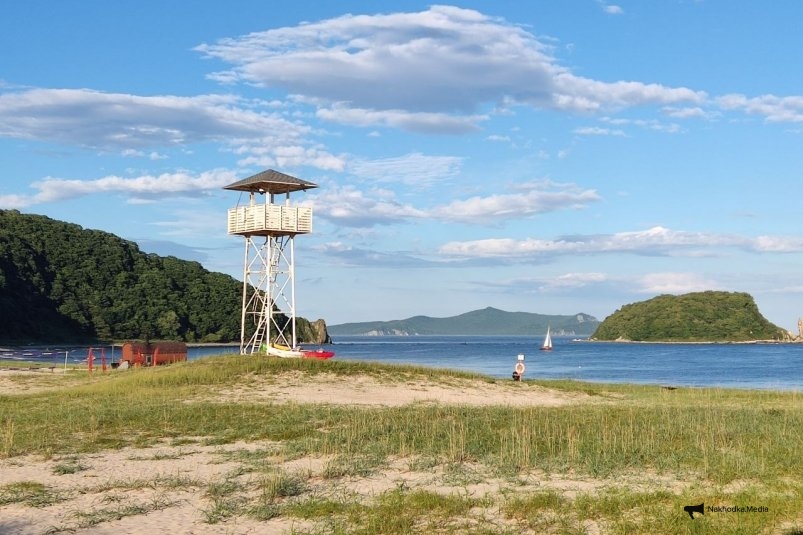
(487, 321)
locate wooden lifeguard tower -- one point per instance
(268, 322)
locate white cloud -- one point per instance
(348, 206)
(422, 122)
(687, 112)
(649, 124)
(153, 155)
(130, 124)
(573, 281)
(611, 9)
(597, 131)
(414, 169)
(773, 108)
(675, 283)
(530, 199)
(145, 188)
(778, 244)
(574, 93)
(106, 120)
(291, 156)
(653, 241)
(425, 71)
(15, 202)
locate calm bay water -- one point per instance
(764, 366)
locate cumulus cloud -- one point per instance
(530, 199)
(130, 124)
(421, 122)
(675, 283)
(429, 70)
(109, 120)
(349, 206)
(144, 188)
(653, 241)
(687, 112)
(777, 244)
(771, 107)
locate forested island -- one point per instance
(711, 316)
(61, 283)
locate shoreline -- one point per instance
(690, 342)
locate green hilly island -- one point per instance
(62, 283)
(694, 317)
(488, 321)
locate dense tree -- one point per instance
(699, 317)
(62, 283)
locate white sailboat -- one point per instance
(547, 345)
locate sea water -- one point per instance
(763, 366)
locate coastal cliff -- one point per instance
(313, 332)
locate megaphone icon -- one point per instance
(691, 509)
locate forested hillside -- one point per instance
(694, 317)
(62, 283)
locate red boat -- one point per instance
(317, 354)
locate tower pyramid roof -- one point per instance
(271, 181)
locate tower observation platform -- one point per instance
(269, 223)
(268, 218)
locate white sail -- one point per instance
(547, 340)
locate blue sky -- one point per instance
(549, 157)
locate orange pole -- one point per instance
(89, 358)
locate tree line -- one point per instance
(62, 283)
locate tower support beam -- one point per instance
(268, 318)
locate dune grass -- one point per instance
(712, 438)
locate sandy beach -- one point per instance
(139, 491)
(201, 486)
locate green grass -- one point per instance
(30, 493)
(717, 434)
(99, 515)
(711, 436)
(69, 466)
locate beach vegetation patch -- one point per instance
(69, 466)
(30, 493)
